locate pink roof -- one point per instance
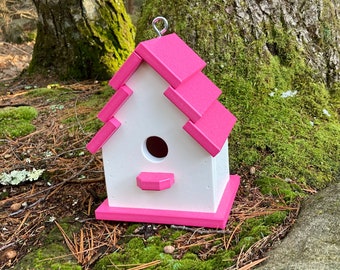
(189, 89)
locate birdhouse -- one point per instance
(164, 140)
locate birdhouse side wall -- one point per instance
(220, 169)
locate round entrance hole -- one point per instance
(156, 147)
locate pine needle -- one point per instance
(252, 264)
(68, 241)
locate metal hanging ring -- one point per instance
(165, 23)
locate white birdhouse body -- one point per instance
(165, 140)
(199, 178)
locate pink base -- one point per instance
(197, 219)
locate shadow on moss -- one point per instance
(53, 254)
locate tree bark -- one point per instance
(81, 39)
(130, 6)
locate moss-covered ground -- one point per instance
(16, 122)
(139, 252)
(52, 253)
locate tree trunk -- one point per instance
(130, 6)
(81, 39)
(210, 27)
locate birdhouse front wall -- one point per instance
(199, 178)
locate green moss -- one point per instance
(190, 256)
(275, 218)
(52, 93)
(86, 122)
(54, 254)
(51, 256)
(195, 249)
(221, 260)
(132, 227)
(246, 242)
(279, 188)
(138, 251)
(254, 229)
(87, 110)
(53, 234)
(282, 135)
(99, 98)
(17, 122)
(113, 39)
(41, 92)
(82, 45)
